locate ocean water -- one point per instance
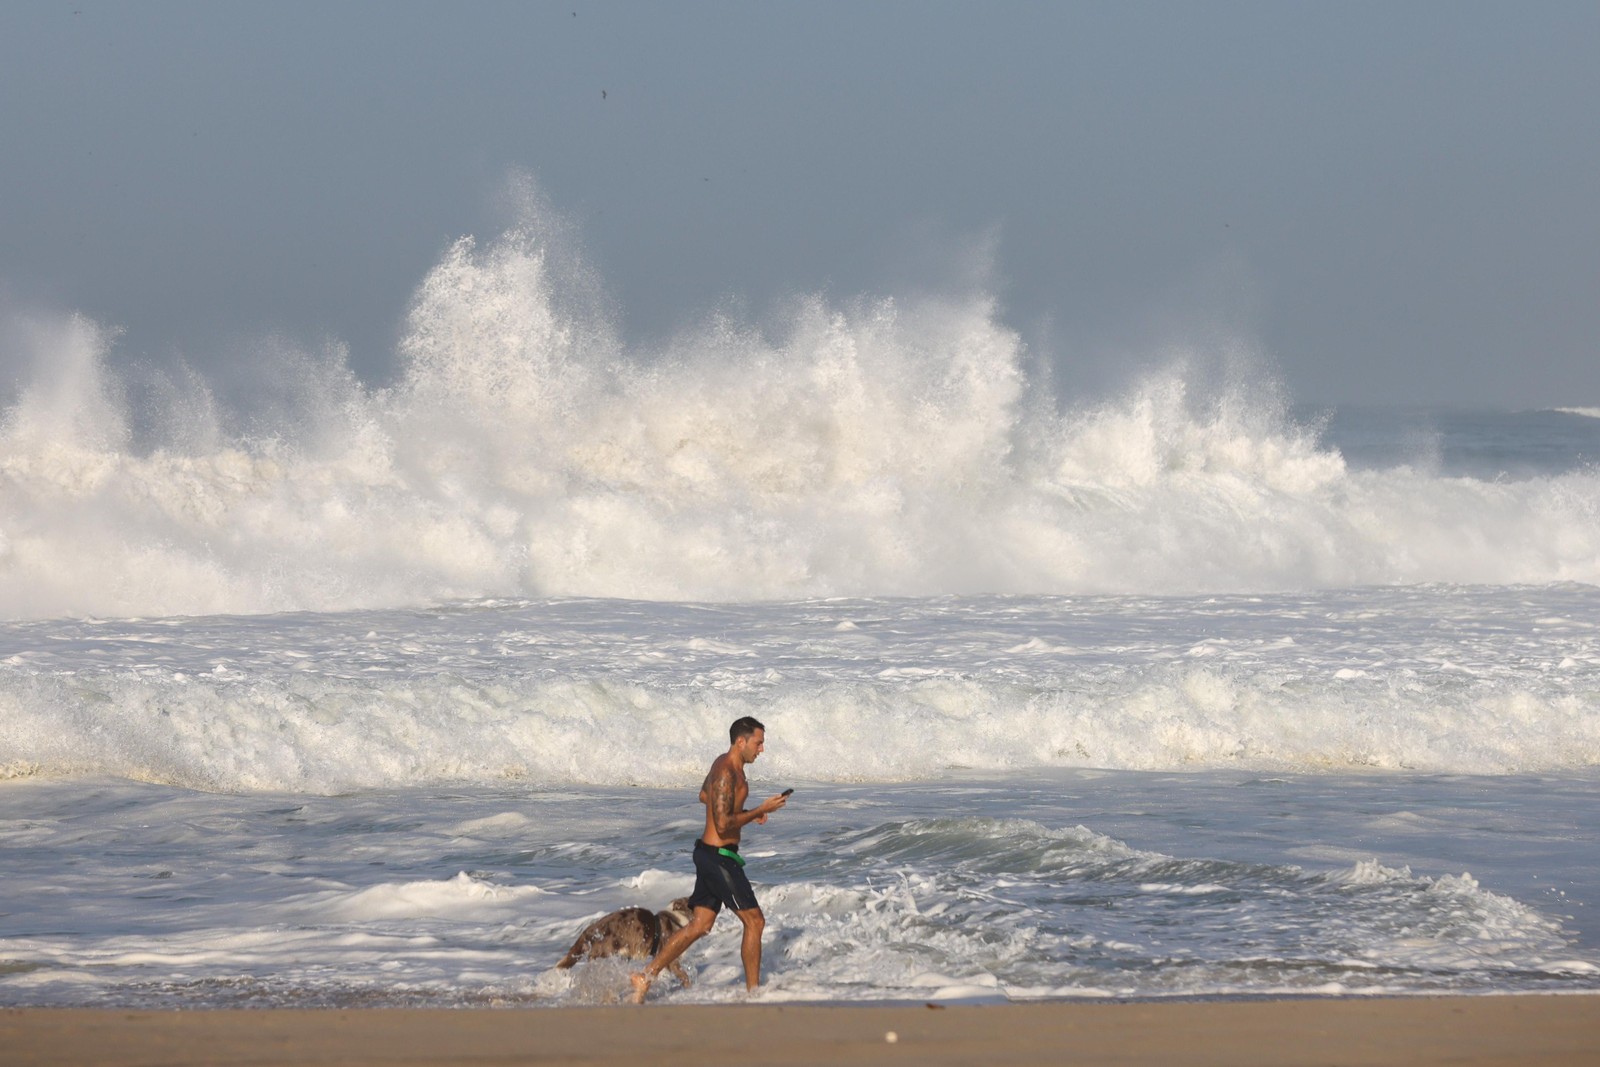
(347, 695)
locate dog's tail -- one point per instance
(574, 954)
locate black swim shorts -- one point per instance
(719, 880)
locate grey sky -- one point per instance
(1395, 202)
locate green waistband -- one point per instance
(732, 855)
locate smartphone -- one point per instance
(786, 792)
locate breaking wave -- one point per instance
(879, 448)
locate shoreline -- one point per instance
(1558, 1030)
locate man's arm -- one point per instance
(723, 816)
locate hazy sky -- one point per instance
(1394, 202)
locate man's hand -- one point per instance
(770, 805)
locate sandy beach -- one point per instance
(1522, 1030)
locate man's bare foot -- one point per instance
(641, 986)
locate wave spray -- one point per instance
(881, 448)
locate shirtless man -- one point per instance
(719, 869)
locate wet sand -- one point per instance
(1521, 1030)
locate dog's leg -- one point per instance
(580, 948)
(698, 927)
(680, 974)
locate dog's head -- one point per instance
(675, 915)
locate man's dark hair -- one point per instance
(743, 728)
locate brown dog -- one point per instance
(632, 932)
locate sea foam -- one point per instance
(883, 447)
(610, 693)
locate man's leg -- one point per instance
(671, 949)
(750, 949)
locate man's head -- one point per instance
(748, 736)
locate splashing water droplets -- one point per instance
(885, 447)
